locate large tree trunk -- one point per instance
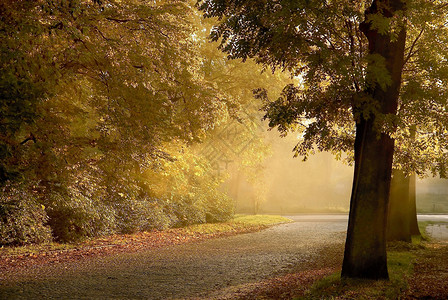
(399, 219)
(402, 220)
(365, 249)
(413, 195)
(413, 206)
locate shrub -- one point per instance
(185, 210)
(219, 208)
(203, 206)
(22, 218)
(73, 216)
(189, 189)
(143, 214)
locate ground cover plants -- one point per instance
(12, 258)
(417, 271)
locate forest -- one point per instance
(121, 116)
(108, 113)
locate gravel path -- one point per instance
(209, 269)
(438, 231)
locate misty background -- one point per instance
(321, 184)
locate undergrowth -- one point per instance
(239, 223)
(400, 266)
(401, 258)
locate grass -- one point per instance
(259, 220)
(400, 266)
(422, 227)
(238, 223)
(401, 259)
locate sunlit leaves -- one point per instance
(423, 100)
(320, 42)
(100, 88)
(377, 72)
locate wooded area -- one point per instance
(107, 107)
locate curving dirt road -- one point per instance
(209, 269)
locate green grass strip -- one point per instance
(400, 266)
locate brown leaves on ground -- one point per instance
(430, 279)
(284, 287)
(13, 261)
(294, 285)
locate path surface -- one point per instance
(436, 231)
(212, 267)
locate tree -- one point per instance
(422, 119)
(365, 248)
(351, 64)
(236, 145)
(91, 93)
(102, 103)
(414, 229)
(402, 217)
(25, 81)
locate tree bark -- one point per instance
(365, 249)
(399, 217)
(413, 206)
(402, 220)
(413, 195)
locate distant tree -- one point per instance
(421, 139)
(402, 213)
(399, 214)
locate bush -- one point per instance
(22, 218)
(189, 189)
(219, 208)
(134, 215)
(184, 210)
(73, 216)
(204, 206)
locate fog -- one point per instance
(290, 185)
(321, 184)
(432, 195)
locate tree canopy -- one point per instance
(321, 43)
(104, 104)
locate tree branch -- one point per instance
(31, 137)
(119, 20)
(411, 49)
